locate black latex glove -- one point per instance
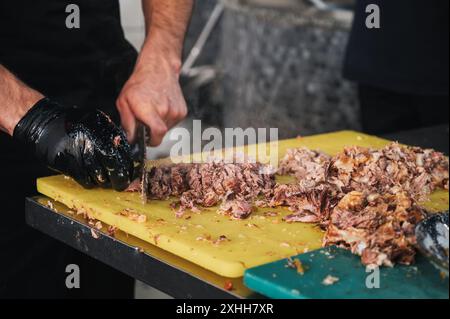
(85, 145)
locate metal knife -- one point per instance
(140, 158)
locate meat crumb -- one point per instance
(94, 234)
(117, 141)
(98, 225)
(330, 280)
(296, 264)
(142, 219)
(156, 238)
(133, 215)
(221, 239)
(51, 206)
(112, 231)
(270, 214)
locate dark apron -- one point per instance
(86, 67)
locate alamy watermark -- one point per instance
(232, 145)
(373, 20)
(73, 277)
(73, 20)
(373, 277)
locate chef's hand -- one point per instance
(152, 96)
(87, 146)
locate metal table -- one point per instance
(162, 270)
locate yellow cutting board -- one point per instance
(252, 242)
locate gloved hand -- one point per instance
(85, 145)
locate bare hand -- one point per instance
(153, 97)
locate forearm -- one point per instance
(16, 99)
(153, 96)
(166, 25)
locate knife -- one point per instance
(140, 159)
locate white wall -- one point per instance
(133, 21)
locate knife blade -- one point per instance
(140, 159)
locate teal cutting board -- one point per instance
(276, 280)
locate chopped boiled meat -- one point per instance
(411, 169)
(379, 228)
(236, 208)
(391, 169)
(365, 199)
(135, 186)
(309, 206)
(208, 184)
(309, 167)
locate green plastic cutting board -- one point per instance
(276, 280)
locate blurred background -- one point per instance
(267, 63)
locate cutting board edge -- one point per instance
(225, 268)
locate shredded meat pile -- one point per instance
(308, 206)
(309, 167)
(236, 186)
(364, 199)
(379, 228)
(392, 169)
